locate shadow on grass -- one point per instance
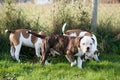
(108, 62)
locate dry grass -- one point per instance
(111, 12)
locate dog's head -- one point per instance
(87, 46)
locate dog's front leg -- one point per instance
(17, 52)
(44, 57)
(71, 59)
(12, 51)
(79, 62)
(37, 50)
(95, 56)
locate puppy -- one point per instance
(87, 47)
(19, 38)
(64, 45)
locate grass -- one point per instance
(107, 69)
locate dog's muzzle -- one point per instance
(88, 49)
(85, 57)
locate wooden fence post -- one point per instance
(94, 15)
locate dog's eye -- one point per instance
(83, 43)
(90, 43)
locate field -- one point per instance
(106, 69)
(50, 18)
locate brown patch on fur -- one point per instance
(15, 36)
(68, 32)
(25, 35)
(63, 44)
(34, 38)
(88, 34)
(77, 31)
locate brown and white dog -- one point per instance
(19, 38)
(87, 47)
(65, 45)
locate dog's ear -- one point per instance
(93, 40)
(79, 40)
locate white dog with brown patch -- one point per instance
(86, 45)
(19, 38)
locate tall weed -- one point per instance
(73, 14)
(106, 33)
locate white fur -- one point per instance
(80, 53)
(79, 63)
(37, 47)
(26, 41)
(86, 41)
(95, 44)
(63, 28)
(12, 50)
(73, 34)
(73, 63)
(82, 33)
(96, 57)
(17, 51)
(46, 62)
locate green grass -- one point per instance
(107, 69)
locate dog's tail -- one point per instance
(63, 28)
(35, 34)
(9, 31)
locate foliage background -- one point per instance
(51, 17)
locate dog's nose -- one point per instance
(88, 48)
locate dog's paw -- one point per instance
(47, 63)
(73, 63)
